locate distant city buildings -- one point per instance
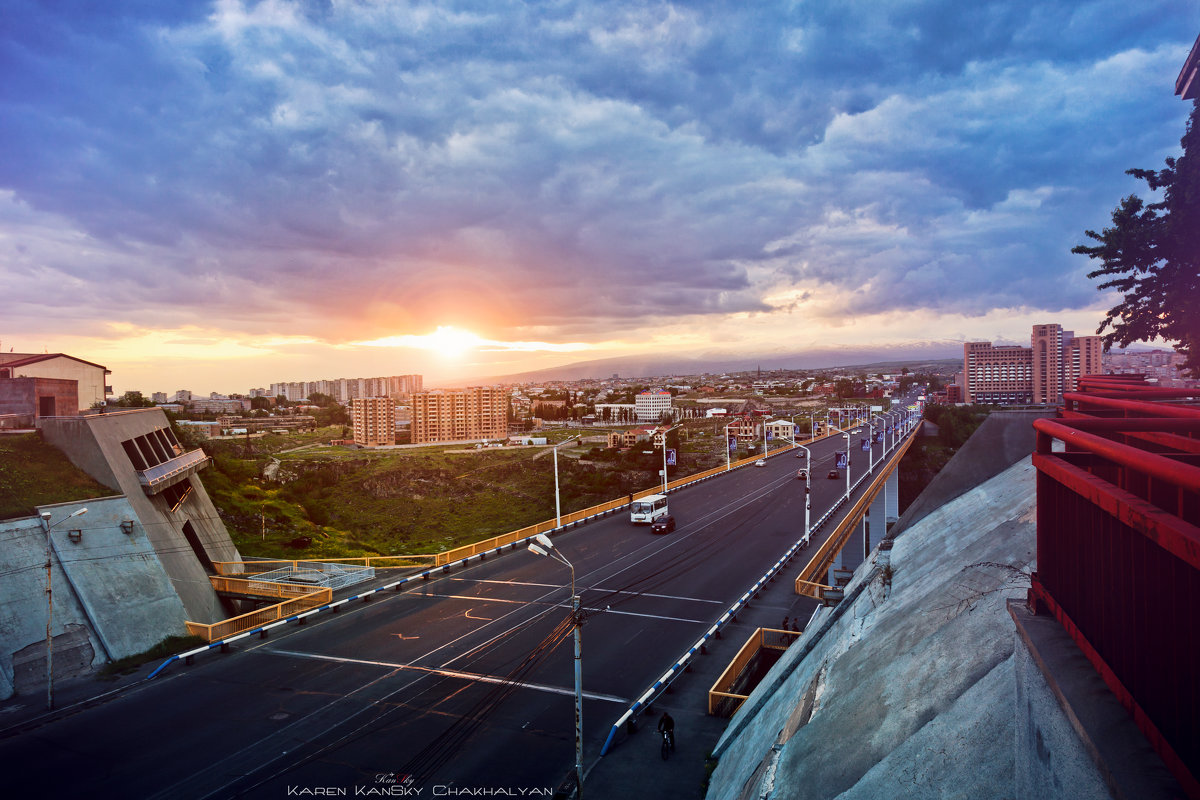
(343, 390)
(1041, 373)
(451, 415)
(374, 420)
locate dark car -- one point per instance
(833, 473)
(663, 524)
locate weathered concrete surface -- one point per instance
(905, 689)
(183, 537)
(112, 596)
(1003, 439)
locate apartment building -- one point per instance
(374, 420)
(343, 390)
(1041, 373)
(452, 415)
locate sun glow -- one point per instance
(453, 342)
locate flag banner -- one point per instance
(671, 457)
(796, 431)
(733, 443)
(841, 459)
(879, 436)
(864, 444)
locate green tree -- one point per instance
(1151, 255)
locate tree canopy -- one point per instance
(1151, 254)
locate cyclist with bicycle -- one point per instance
(666, 726)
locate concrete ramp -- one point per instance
(906, 688)
(1003, 439)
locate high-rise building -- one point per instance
(1041, 373)
(374, 420)
(452, 415)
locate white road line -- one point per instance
(564, 605)
(450, 673)
(609, 591)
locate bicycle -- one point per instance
(668, 743)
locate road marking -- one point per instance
(451, 673)
(596, 589)
(561, 605)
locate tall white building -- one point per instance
(651, 404)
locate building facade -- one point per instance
(374, 420)
(451, 415)
(92, 389)
(343, 390)
(1041, 373)
(650, 405)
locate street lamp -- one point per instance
(664, 449)
(847, 435)
(557, 505)
(545, 547)
(45, 517)
(807, 480)
(728, 465)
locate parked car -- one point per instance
(833, 473)
(762, 462)
(663, 524)
(801, 474)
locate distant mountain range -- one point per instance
(914, 355)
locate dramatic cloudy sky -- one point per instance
(219, 195)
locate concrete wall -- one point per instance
(91, 378)
(93, 443)
(112, 597)
(21, 396)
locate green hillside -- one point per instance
(33, 473)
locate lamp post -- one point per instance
(728, 464)
(807, 479)
(557, 504)
(847, 435)
(545, 547)
(664, 449)
(45, 517)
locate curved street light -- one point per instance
(543, 546)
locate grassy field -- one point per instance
(33, 473)
(335, 501)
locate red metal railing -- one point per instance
(1118, 552)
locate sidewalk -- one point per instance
(634, 765)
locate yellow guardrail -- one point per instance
(379, 562)
(722, 701)
(263, 616)
(249, 586)
(819, 563)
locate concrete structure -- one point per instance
(24, 400)
(111, 593)
(92, 378)
(629, 438)
(650, 405)
(917, 684)
(1041, 373)
(374, 420)
(448, 415)
(136, 454)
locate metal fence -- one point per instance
(1118, 552)
(732, 688)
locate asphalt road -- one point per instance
(464, 682)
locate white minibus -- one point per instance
(648, 509)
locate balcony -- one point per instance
(160, 476)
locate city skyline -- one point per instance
(227, 194)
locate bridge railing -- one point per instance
(725, 697)
(1118, 555)
(263, 616)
